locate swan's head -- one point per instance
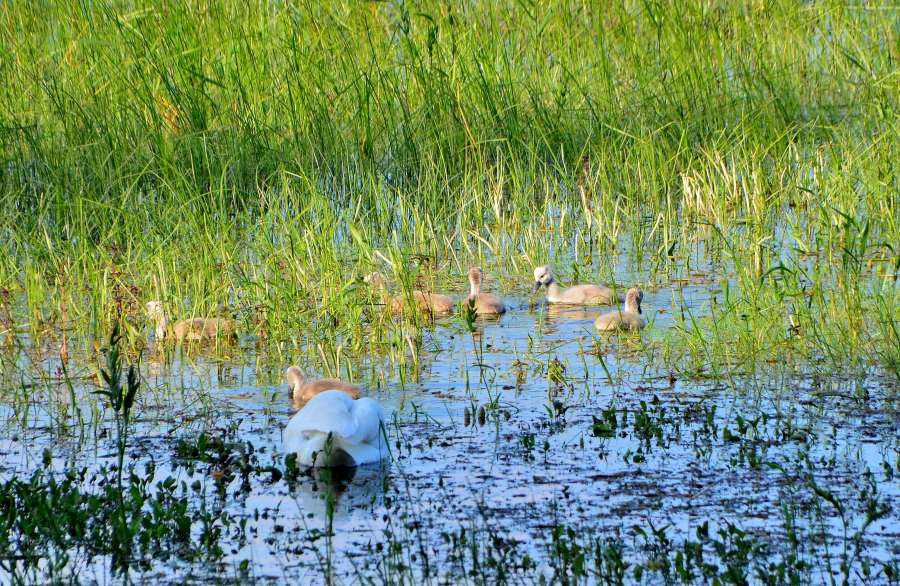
(633, 300)
(375, 280)
(154, 308)
(542, 276)
(295, 378)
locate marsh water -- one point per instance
(515, 449)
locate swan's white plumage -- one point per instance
(355, 427)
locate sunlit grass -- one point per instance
(260, 159)
(263, 158)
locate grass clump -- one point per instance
(54, 523)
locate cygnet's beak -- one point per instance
(534, 289)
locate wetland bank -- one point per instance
(736, 161)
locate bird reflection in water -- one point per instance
(333, 494)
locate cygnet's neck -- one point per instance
(474, 287)
(379, 287)
(162, 324)
(381, 291)
(295, 378)
(553, 289)
(632, 305)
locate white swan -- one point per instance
(334, 430)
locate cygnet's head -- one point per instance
(295, 378)
(633, 300)
(154, 308)
(476, 275)
(542, 276)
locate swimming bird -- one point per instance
(629, 318)
(485, 303)
(433, 303)
(303, 390)
(335, 430)
(577, 295)
(188, 329)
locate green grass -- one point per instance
(266, 156)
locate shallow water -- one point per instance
(489, 447)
